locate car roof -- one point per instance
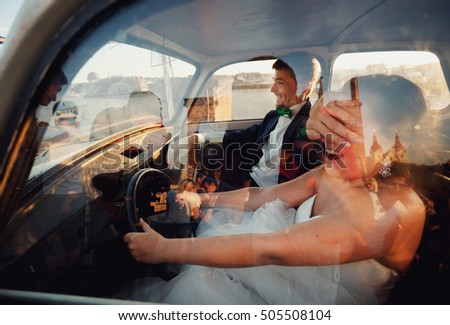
(224, 27)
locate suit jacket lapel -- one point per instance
(267, 126)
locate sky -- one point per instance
(8, 11)
(361, 60)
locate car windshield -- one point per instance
(119, 87)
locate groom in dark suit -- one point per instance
(277, 150)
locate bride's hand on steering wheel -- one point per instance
(145, 246)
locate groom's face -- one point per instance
(284, 88)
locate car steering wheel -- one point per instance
(146, 196)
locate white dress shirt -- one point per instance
(265, 173)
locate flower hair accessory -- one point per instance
(385, 170)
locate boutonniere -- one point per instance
(301, 133)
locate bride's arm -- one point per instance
(316, 242)
(293, 193)
(227, 251)
(343, 234)
(321, 241)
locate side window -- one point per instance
(404, 96)
(236, 92)
(421, 68)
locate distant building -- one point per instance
(376, 152)
(396, 153)
(380, 161)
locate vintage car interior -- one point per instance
(153, 86)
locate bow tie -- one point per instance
(284, 111)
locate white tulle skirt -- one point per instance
(366, 282)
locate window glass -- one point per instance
(404, 96)
(422, 68)
(236, 92)
(7, 16)
(120, 87)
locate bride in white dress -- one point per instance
(363, 282)
(350, 252)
